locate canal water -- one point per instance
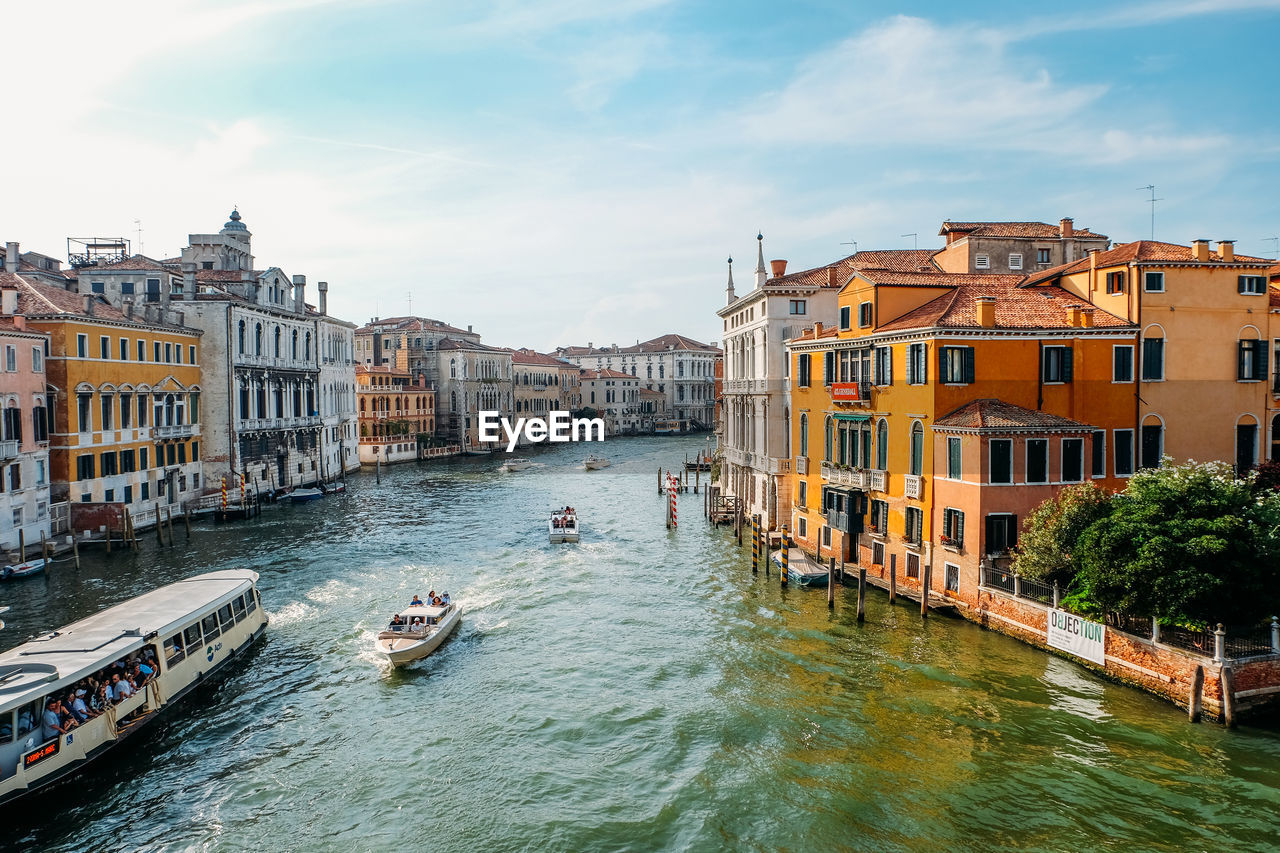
(642, 690)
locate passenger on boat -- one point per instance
(437, 602)
(51, 724)
(79, 710)
(417, 624)
(431, 595)
(417, 602)
(397, 622)
(121, 688)
(101, 699)
(445, 598)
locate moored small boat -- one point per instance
(801, 570)
(420, 631)
(23, 570)
(595, 463)
(300, 495)
(563, 526)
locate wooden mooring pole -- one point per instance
(22, 545)
(659, 479)
(1196, 697)
(186, 518)
(1228, 697)
(75, 549)
(44, 546)
(924, 590)
(893, 578)
(862, 593)
(831, 583)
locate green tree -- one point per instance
(1047, 548)
(1188, 543)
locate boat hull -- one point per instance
(23, 570)
(400, 652)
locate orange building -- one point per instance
(943, 408)
(397, 414)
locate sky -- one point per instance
(558, 172)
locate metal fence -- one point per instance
(1001, 579)
(1036, 591)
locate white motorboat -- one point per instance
(301, 495)
(515, 465)
(419, 632)
(23, 570)
(563, 526)
(595, 463)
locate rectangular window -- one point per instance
(1099, 467)
(11, 359)
(124, 349)
(914, 521)
(1115, 282)
(82, 346)
(37, 360)
(1153, 282)
(956, 365)
(828, 367)
(142, 462)
(1122, 363)
(109, 464)
(803, 495)
(877, 553)
(1251, 284)
(98, 287)
(802, 370)
(84, 467)
(953, 577)
(1002, 532)
(168, 353)
(191, 354)
(1015, 261)
(798, 307)
(156, 350)
(953, 458)
(108, 407)
(1072, 460)
(84, 402)
(802, 527)
(916, 364)
(142, 410)
(153, 291)
(1043, 256)
(845, 313)
(1037, 460)
(884, 365)
(142, 350)
(1124, 452)
(1152, 359)
(864, 315)
(1251, 361)
(128, 461)
(913, 565)
(879, 516)
(953, 528)
(126, 288)
(982, 262)
(146, 487)
(1056, 364)
(1001, 450)
(104, 347)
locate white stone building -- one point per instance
(339, 436)
(473, 377)
(616, 396)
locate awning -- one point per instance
(857, 419)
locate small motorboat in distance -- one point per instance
(300, 495)
(563, 526)
(515, 465)
(22, 570)
(801, 570)
(417, 631)
(595, 463)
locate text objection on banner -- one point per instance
(1080, 637)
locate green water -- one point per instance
(642, 690)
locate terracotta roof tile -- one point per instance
(1016, 308)
(901, 260)
(1038, 230)
(140, 263)
(1151, 251)
(528, 356)
(605, 373)
(808, 334)
(991, 415)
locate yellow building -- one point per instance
(1203, 362)
(125, 388)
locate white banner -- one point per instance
(1080, 637)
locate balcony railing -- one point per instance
(802, 464)
(878, 481)
(855, 478)
(779, 466)
(913, 485)
(174, 430)
(8, 449)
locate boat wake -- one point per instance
(291, 613)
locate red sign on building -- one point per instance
(845, 392)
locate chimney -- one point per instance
(986, 312)
(1200, 251)
(1086, 317)
(188, 280)
(88, 304)
(832, 277)
(1073, 316)
(323, 287)
(817, 330)
(590, 345)
(377, 348)
(11, 257)
(1093, 261)
(779, 268)
(1226, 250)
(8, 302)
(127, 303)
(300, 294)
(468, 327)
(1066, 228)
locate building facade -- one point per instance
(474, 378)
(397, 414)
(1017, 248)
(24, 427)
(616, 396)
(339, 427)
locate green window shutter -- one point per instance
(967, 354)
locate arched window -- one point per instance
(917, 448)
(240, 338)
(453, 372)
(827, 440)
(882, 445)
(295, 344)
(277, 342)
(804, 434)
(307, 353)
(257, 339)
(1152, 438)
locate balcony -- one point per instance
(779, 466)
(854, 478)
(802, 464)
(878, 481)
(174, 430)
(913, 486)
(8, 449)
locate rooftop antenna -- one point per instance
(410, 295)
(853, 243)
(1152, 201)
(1275, 244)
(915, 239)
(137, 224)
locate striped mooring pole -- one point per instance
(755, 543)
(786, 553)
(674, 524)
(224, 495)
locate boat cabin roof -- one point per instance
(69, 654)
(424, 610)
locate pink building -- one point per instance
(24, 427)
